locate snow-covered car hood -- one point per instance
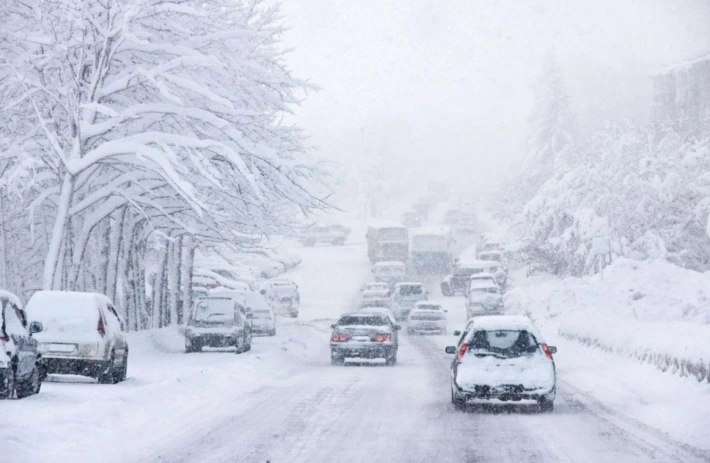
(531, 371)
(483, 298)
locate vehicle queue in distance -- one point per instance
(499, 358)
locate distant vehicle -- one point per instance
(411, 219)
(502, 359)
(404, 296)
(422, 208)
(494, 255)
(451, 217)
(82, 335)
(467, 223)
(262, 320)
(324, 234)
(218, 321)
(21, 369)
(483, 277)
(376, 286)
(427, 318)
(431, 251)
(282, 295)
(494, 267)
(379, 297)
(459, 281)
(484, 298)
(387, 242)
(390, 272)
(364, 336)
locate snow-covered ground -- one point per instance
(283, 401)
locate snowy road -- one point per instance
(284, 402)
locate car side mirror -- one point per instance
(450, 349)
(333, 325)
(35, 327)
(457, 333)
(552, 349)
(397, 327)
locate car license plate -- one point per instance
(63, 348)
(361, 338)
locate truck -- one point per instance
(432, 251)
(387, 241)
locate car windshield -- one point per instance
(261, 313)
(369, 320)
(507, 343)
(411, 290)
(214, 310)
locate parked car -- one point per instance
(364, 336)
(262, 320)
(426, 317)
(390, 272)
(484, 298)
(324, 234)
(404, 296)
(282, 295)
(218, 321)
(83, 335)
(502, 359)
(411, 219)
(21, 369)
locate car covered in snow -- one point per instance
(21, 369)
(218, 321)
(426, 317)
(283, 296)
(324, 234)
(375, 294)
(82, 335)
(483, 298)
(405, 295)
(363, 335)
(263, 319)
(495, 267)
(451, 217)
(503, 359)
(390, 272)
(483, 276)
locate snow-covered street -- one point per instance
(283, 401)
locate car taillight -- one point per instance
(5, 338)
(462, 352)
(100, 327)
(546, 350)
(383, 338)
(339, 338)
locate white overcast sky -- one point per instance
(448, 83)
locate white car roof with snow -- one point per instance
(7, 295)
(424, 305)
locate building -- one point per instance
(681, 92)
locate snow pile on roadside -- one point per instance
(652, 311)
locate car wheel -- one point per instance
(294, 314)
(7, 383)
(338, 361)
(272, 332)
(248, 342)
(446, 290)
(107, 376)
(123, 372)
(546, 406)
(29, 387)
(458, 404)
(240, 345)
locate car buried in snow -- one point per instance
(218, 321)
(389, 272)
(483, 298)
(82, 335)
(324, 234)
(503, 359)
(21, 368)
(362, 335)
(283, 296)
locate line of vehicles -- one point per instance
(79, 333)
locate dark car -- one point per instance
(364, 336)
(459, 281)
(218, 321)
(21, 368)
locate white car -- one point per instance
(326, 234)
(426, 317)
(503, 359)
(404, 296)
(376, 286)
(483, 277)
(484, 298)
(282, 295)
(375, 295)
(390, 272)
(82, 335)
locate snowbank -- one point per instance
(651, 311)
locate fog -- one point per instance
(405, 86)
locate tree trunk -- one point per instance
(116, 263)
(158, 287)
(58, 233)
(186, 263)
(173, 273)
